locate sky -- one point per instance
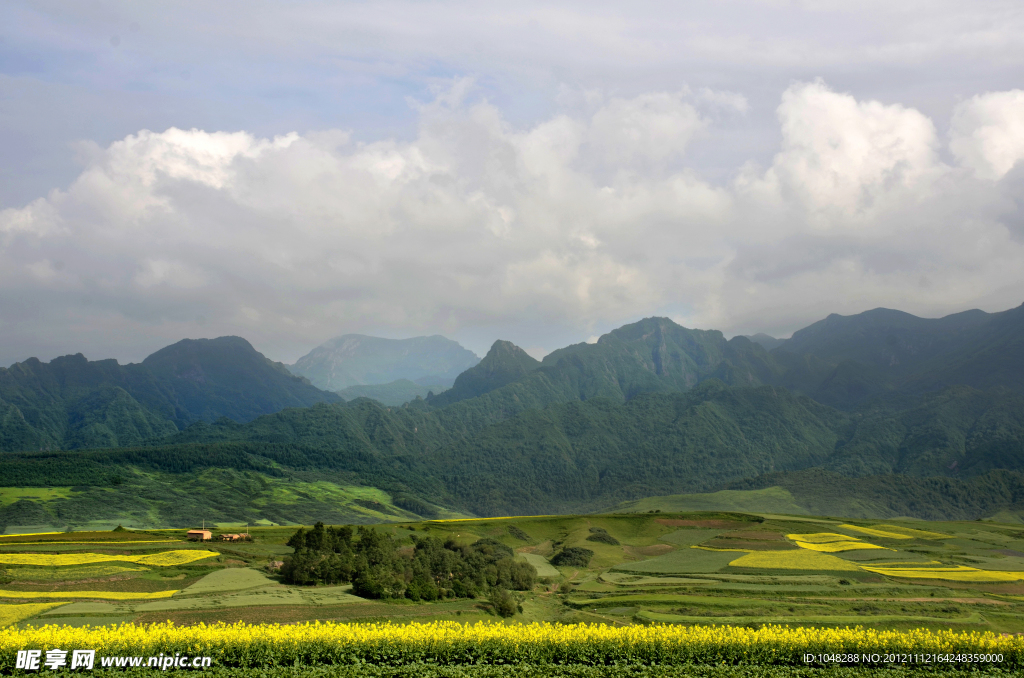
(535, 172)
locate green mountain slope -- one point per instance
(958, 431)
(886, 339)
(654, 355)
(993, 356)
(356, 359)
(587, 455)
(504, 363)
(579, 454)
(821, 492)
(212, 378)
(72, 402)
(847, 361)
(582, 455)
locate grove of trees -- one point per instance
(380, 567)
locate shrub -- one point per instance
(573, 556)
(414, 505)
(503, 602)
(518, 533)
(599, 534)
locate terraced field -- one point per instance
(694, 568)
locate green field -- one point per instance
(770, 500)
(681, 568)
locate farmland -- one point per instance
(682, 569)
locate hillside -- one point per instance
(504, 363)
(356, 359)
(654, 355)
(867, 360)
(568, 457)
(71, 402)
(846, 361)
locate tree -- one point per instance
(503, 602)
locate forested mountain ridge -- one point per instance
(654, 355)
(845, 362)
(848, 360)
(504, 363)
(72, 402)
(588, 454)
(574, 456)
(842, 361)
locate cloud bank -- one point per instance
(543, 234)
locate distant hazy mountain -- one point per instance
(71, 402)
(356, 359)
(768, 342)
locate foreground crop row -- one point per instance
(448, 643)
(555, 671)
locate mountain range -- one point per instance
(71, 402)
(924, 417)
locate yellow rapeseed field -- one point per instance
(11, 614)
(30, 534)
(959, 573)
(166, 558)
(793, 560)
(492, 643)
(873, 532)
(820, 537)
(838, 546)
(105, 595)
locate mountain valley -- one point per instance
(876, 415)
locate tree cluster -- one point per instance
(380, 567)
(599, 534)
(573, 556)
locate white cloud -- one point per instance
(844, 158)
(987, 133)
(173, 273)
(653, 127)
(566, 227)
(40, 217)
